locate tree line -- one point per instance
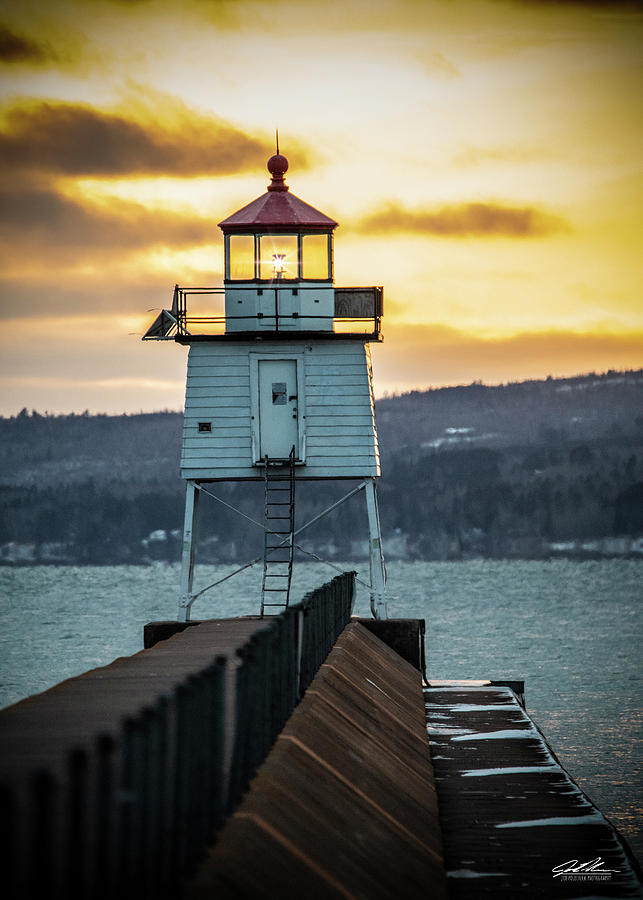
(470, 471)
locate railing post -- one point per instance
(300, 647)
(76, 838)
(39, 868)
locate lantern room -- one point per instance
(278, 262)
(278, 277)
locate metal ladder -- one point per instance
(278, 545)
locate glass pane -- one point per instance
(242, 257)
(315, 256)
(278, 256)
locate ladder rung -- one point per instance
(278, 542)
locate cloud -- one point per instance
(463, 220)
(73, 363)
(87, 363)
(120, 293)
(418, 356)
(39, 223)
(18, 48)
(79, 140)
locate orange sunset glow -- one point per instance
(483, 159)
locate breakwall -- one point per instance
(345, 805)
(112, 784)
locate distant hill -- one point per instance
(528, 469)
(584, 408)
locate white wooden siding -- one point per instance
(339, 426)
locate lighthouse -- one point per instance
(279, 388)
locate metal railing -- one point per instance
(352, 305)
(127, 807)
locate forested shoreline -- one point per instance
(526, 470)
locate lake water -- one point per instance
(572, 630)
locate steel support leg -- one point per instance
(187, 558)
(376, 556)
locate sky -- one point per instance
(483, 159)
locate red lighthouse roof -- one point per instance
(277, 207)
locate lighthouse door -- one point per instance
(278, 408)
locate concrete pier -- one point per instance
(514, 824)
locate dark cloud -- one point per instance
(38, 223)
(31, 296)
(18, 48)
(75, 139)
(463, 220)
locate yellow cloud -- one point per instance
(463, 220)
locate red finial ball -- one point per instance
(277, 166)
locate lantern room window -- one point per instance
(315, 256)
(241, 255)
(278, 257)
(283, 257)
